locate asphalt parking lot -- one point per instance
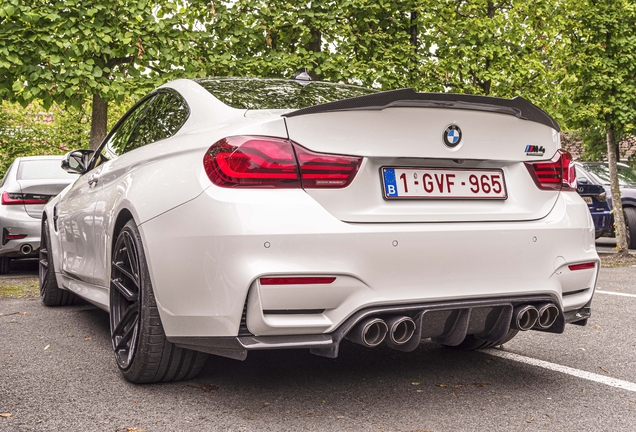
(57, 372)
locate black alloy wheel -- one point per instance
(630, 226)
(142, 351)
(50, 293)
(125, 306)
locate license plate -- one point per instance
(588, 200)
(442, 183)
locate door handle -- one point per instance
(93, 179)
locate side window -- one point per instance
(116, 144)
(164, 117)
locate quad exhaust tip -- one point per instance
(401, 329)
(370, 332)
(548, 314)
(524, 317)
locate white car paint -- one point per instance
(207, 246)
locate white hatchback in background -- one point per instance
(28, 184)
(227, 215)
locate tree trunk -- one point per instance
(413, 31)
(99, 117)
(617, 205)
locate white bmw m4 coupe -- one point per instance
(221, 216)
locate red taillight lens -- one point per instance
(296, 280)
(20, 199)
(556, 174)
(319, 170)
(582, 266)
(252, 162)
(255, 162)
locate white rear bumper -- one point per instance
(206, 258)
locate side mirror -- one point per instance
(77, 161)
(582, 180)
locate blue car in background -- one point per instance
(596, 200)
(597, 173)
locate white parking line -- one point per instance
(612, 382)
(615, 293)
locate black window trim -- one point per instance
(130, 111)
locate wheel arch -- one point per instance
(123, 217)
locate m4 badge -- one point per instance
(533, 150)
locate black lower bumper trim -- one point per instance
(444, 322)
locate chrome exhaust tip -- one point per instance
(370, 332)
(26, 249)
(548, 314)
(401, 329)
(524, 317)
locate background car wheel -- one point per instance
(50, 293)
(630, 225)
(142, 351)
(471, 343)
(4, 265)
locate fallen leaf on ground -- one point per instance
(441, 385)
(6, 415)
(531, 419)
(548, 416)
(47, 347)
(340, 417)
(87, 338)
(603, 369)
(415, 383)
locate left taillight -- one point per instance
(556, 174)
(21, 199)
(268, 162)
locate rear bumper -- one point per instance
(206, 258)
(19, 222)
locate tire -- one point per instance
(50, 293)
(630, 225)
(471, 343)
(142, 352)
(4, 265)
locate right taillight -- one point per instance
(555, 174)
(268, 162)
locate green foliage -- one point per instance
(601, 62)
(34, 130)
(65, 51)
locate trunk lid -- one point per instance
(410, 135)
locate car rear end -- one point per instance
(372, 217)
(28, 185)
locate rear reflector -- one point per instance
(583, 266)
(21, 199)
(557, 174)
(296, 280)
(268, 162)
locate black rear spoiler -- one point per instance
(517, 106)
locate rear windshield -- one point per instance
(626, 176)
(43, 169)
(257, 93)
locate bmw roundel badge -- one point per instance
(452, 135)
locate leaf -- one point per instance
(6, 415)
(47, 347)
